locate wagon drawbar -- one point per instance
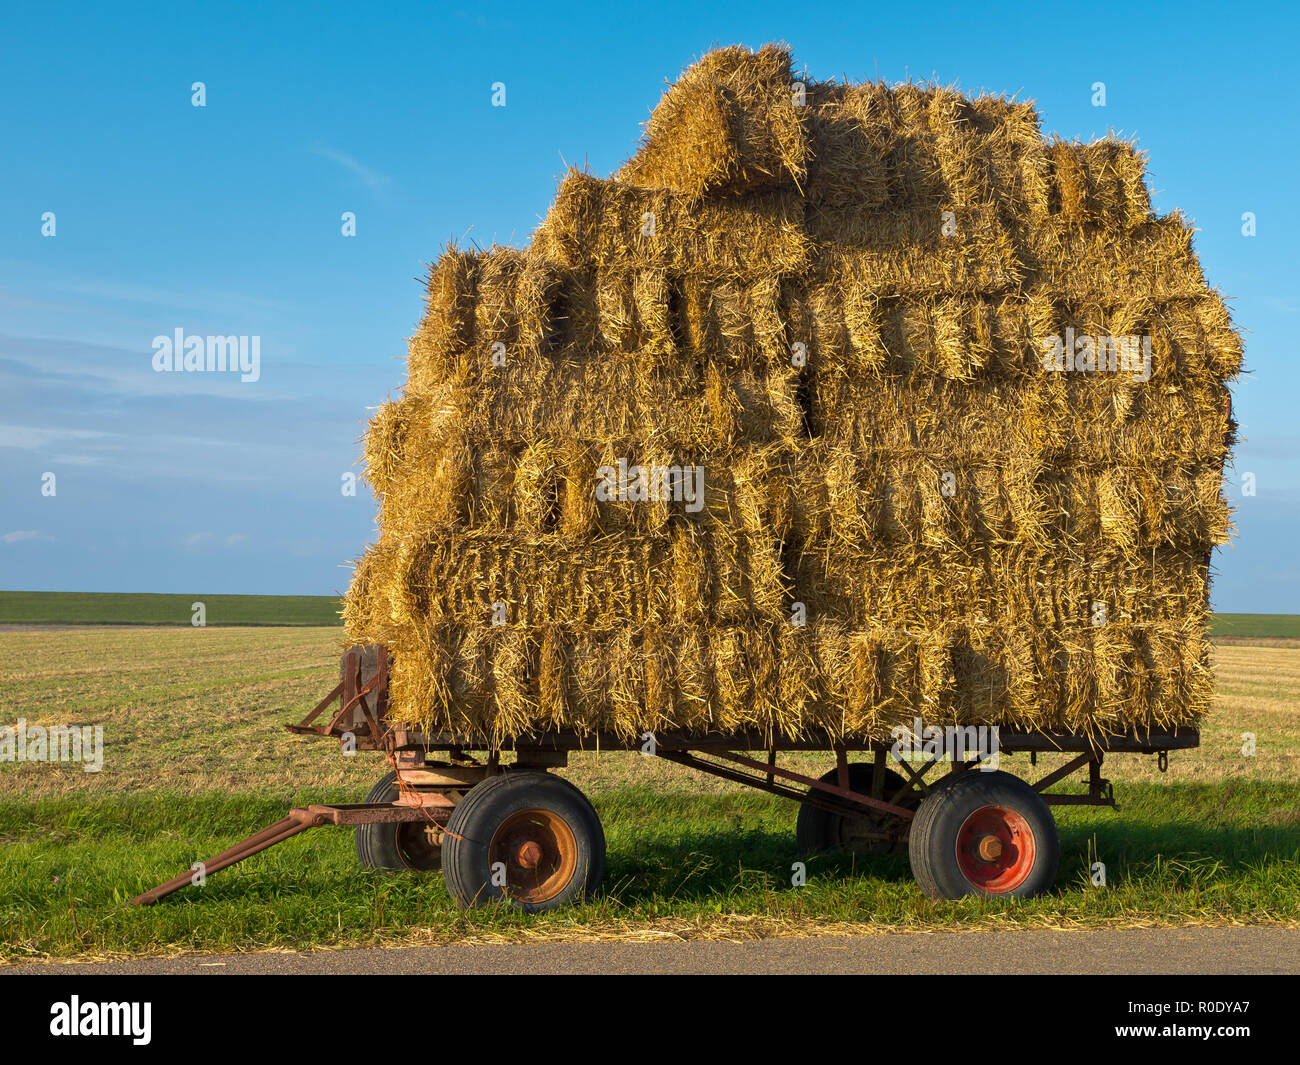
(517, 833)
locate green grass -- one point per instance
(702, 866)
(95, 608)
(1277, 626)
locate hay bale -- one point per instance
(1090, 419)
(729, 124)
(1157, 261)
(1101, 183)
(940, 249)
(877, 146)
(846, 164)
(605, 223)
(448, 324)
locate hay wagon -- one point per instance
(516, 833)
(852, 305)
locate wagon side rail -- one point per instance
(361, 710)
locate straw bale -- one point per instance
(1090, 418)
(942, 249)
(1102, 183)
(1087, 263)
(603, 223)
(729, 124)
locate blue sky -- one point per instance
(226, 220)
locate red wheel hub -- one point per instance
(995, 849)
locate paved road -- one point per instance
(1163, 950)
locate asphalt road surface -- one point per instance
(1199, 951)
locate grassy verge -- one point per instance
(717, 865)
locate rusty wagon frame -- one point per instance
(968, 832)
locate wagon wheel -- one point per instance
(415, 845)
(527, 839)
(984, 834)
(419, 845)
(870, 832)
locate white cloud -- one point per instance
(207, 300)
(34, 438)
(372, 179)
(22, 535)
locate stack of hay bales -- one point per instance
(836, 300)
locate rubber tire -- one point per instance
(378, 846)
(932, 843)
(815, 830)
(465, 864)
